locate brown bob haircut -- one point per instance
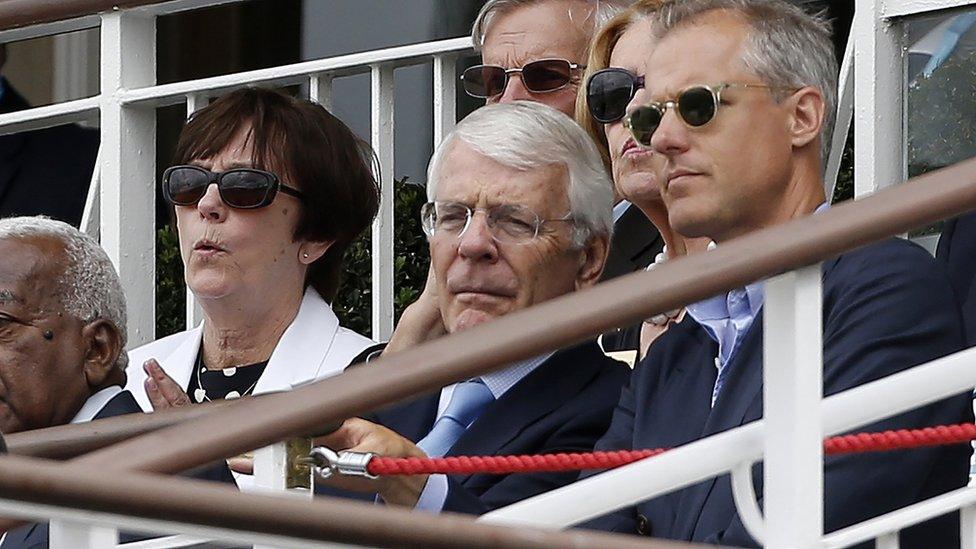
(601, 47)
(308, 148)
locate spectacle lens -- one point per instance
(609, 91)
(245, 188)
(484, 81)
(697, 106)
(541, 76)
(241, 188)
(643, 122)
(546, 75)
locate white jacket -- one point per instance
(313, 347)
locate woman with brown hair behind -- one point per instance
(268, 191)
(614, 85)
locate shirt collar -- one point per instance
(717, 308)
(619, 209)
(95, 403)
(499, 382)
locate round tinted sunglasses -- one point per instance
(544, 75)
(609, 91)
(696, 106)
(241, 188)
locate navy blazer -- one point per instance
(957, 249)
(886, 308)
(564, 405)
(36, 535)
(45, 171)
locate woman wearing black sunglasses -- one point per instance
(268, 193)
(614, 80)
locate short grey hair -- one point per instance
(90, 287)
(526, 135)
(603, 11)
(787, 47)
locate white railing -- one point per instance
(121, 210)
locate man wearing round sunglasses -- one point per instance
(519, 214)
(737, 100)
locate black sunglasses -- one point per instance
(609, 91)
(544, 75)
(696, 106)
(241, 188)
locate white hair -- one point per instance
(526, 135)
(787, 47)
(603, 11)
(90, 287)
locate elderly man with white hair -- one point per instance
(62, 332)
(62, 335)
(519, 213)
(535, 50)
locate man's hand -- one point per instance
(163, 392)
(359, 435)
(421, 321)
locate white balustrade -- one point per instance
(120, 211)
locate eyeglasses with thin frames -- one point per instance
(507, 223)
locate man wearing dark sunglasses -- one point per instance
(737, 105)
(533, 50)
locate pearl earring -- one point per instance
(305, 255)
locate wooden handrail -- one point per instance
(324, 519)
(550, 325)
(68, 441)
(15, 14)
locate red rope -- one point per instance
(551, 463)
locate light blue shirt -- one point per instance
(499, 382)
(619, 209)
(727, 318)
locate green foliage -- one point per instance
(170, 287)
(845, 177)
(353, 303)
(941, 115)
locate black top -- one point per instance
(207, 385)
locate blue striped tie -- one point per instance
(467, 402)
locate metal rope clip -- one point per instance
(325, 463)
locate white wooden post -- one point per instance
(381, 115)
(320, 90)
(879, 159)
(887, 541)
(128, 156)
(194, 314)
(65, 534)
(792, 391)
(445, 96)
(271, 467)
(967, 527)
